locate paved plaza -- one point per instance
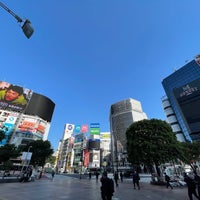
(70, 188)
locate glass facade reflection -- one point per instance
(182, 89)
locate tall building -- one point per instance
(24, 114)
(122, 115)
(182, 102)
(83, 148)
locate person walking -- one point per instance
(191, 187)
(107, 187)
(197, 181)
(167, 179)
(90, 175)
(121, 176)
(116, 178)
(136, 180)
(97, 175)
(52, 174)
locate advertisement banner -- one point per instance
(28, 124)
(77, 129)
(69, 128)
(13, 97)
(84, 128)
(94, 129)
(26, 156)
(7, 130)
(32, 125)
(41, 127)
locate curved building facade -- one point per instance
(182, 89)
(172, 120)
(24, 115)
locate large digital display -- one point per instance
(7, 121)
(41, 106)
(188, 98)
(94, 128)
(94, 144)
(32, 125)
(13, 97)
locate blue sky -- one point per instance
(87, 55)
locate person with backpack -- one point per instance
(107, 187)
(167, 179)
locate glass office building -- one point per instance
(182, 90)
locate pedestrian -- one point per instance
(116, 178)
(52, 174)
(191, 186)
(90, 175)
(40, 174)
(29, 173)
(97, 175)
(107, 187)
(197, 181)
(136, 180)
(121, 176)
(167, 179)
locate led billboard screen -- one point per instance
(188, 98)
(13, 97)
(94, 128)
(94, 144)
(7, 121)
(32, 125)
(41, 106)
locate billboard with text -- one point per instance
(13, 97)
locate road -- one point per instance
(70, 188)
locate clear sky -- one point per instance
(88, 54)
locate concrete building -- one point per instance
(182, 101)
(122, 115)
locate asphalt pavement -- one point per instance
(72, 188)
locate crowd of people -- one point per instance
(191, 180)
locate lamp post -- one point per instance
(25, 24)
(26, 158)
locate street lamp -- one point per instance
(25, 24)
(26, 159)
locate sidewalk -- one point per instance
(13, 179)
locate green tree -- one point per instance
(191, 153)
(151, 142)
(51, 160)
(41, 150)
(8, 151)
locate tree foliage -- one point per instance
(191, 153)
(151, 142)
(8, 151)
(41, 150)
(51, 160)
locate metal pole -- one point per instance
(26, 159)
(11, 12)
(26, 26)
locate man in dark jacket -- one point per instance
(136, 179)
(167, 179)
(191, 186)
(107, 187)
